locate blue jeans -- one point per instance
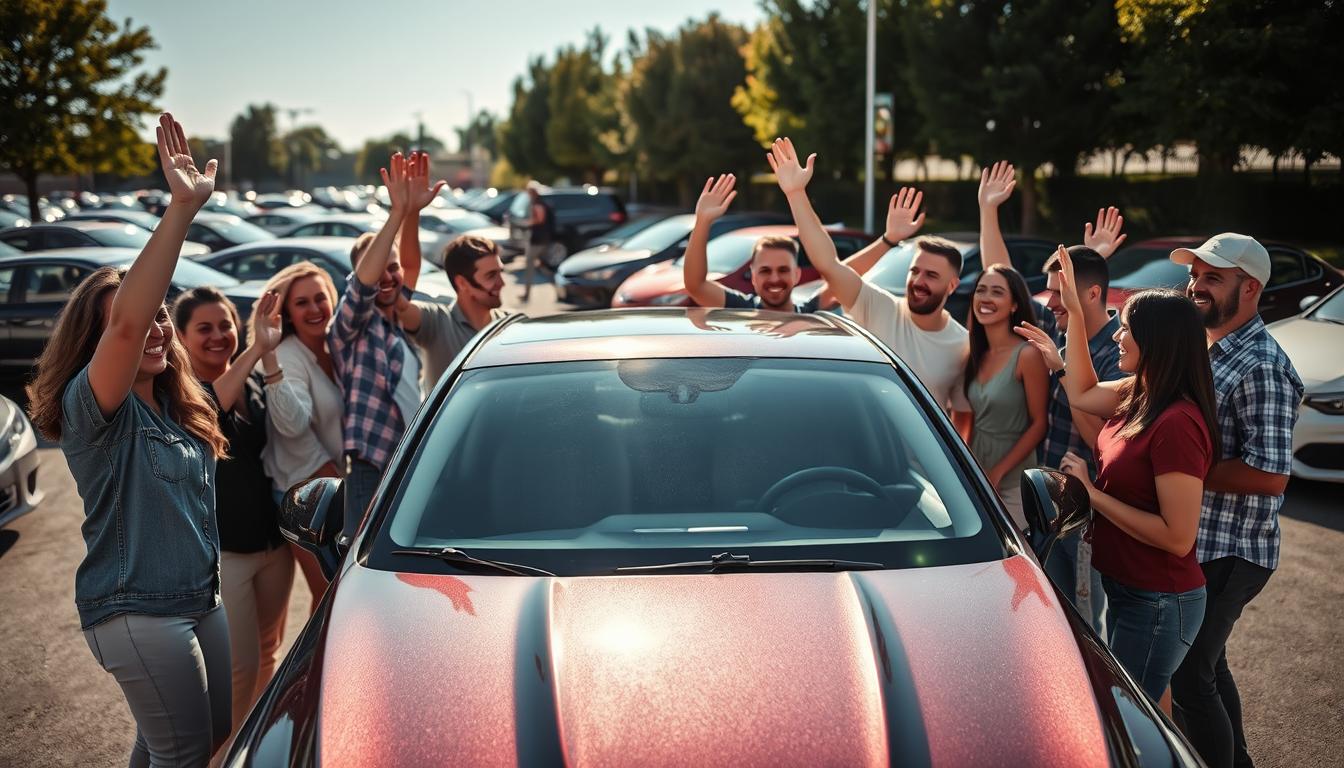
(1150, 632)
(1086, 593)
(361, 481)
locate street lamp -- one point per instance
(868, 98)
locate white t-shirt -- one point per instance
(407, 394)
(936, 357)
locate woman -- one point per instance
(256, 569)
(115, 389)
(1152, 454)
(1001, 409)
(306, 405)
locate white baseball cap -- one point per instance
(1229, 250)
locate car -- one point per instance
(581, 213)
(1318, 438)
(279, 220)
(638, 222)
(1294, 274)
(291, 199)
(86, 234)
(729, 259)
(45, 209)
(356, 224)
(451, 223)
(9, 219)
(678, 579)
(590, 277)
(20, 492)
(1027, 254)
(260, 261)
(218, 231)
(142, 219)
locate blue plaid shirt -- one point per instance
(1258, 392)
(1060, 434)
(368, 352)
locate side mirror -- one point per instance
(1306, 302)
(1055, 505)
(311, 516)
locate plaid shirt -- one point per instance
(368, 352)
(1060, 434)
(1258, 393)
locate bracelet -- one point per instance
(888, 242)
(271, 378)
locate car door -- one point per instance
(1289, 282)
(43, 289)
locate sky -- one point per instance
(365, 68)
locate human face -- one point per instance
(389, 286)
(993, 302)
(1129, 350)
(774, 275)
(929, 283)
(1218, 293)
(1054, 303)
(154, 356)
(211, 339)
(308, 307)
(486, 285)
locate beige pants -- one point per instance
(255, 588)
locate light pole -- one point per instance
(470, 147)
(868, 118)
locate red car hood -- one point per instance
(654, 280)
(957, 665)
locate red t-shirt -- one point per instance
(1178, 441)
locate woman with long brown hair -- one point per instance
(114, 388)
(1001, 403)
(1152, 455)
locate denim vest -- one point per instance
(148, 488)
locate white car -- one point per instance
(1308, 338)
(19, 492)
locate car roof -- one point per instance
(97, 256)
(79, 224)
(626, 334)
(211, 217)
(786, 230)
(325, 244)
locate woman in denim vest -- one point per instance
(114, 388)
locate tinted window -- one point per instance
(1029, 258)
(1285, 267)
(638, 455)
(662, 235)
(239, 231)
(24, 240)
(66, 238)
(6, 282)
(52, 282)
(1159, 273)
(261, 265)
(189, 274)
(200, 234)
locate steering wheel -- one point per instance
(815, 475)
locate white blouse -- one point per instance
(305, 413)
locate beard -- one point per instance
(923, 305)
(1217, 312)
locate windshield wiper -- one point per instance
(454, 556)
(727, 561)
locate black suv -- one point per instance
(581, 213)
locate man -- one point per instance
(915, 327)
(541, 230)
(1258, 393)
(440, 332)
(378, 371)
(1070, 563)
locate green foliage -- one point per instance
(583, 109)
(306, 148)
(71, 98)
(522, 138)
(376, 152)
(258, 153)
(481, 132)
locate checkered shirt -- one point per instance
(1258, 392)
(1060, 434)
(368, 352)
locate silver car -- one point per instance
(19, 492)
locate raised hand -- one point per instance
(398, 185)
(1068, 288)
(715, 198)
(189, 186)
(1105, 238)
(267, 331)
(421, 194)
(792, 176)
(996, 184)
(903, 216)
(1043, 343)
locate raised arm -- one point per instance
(371, 265)
(714, 199)
(996, 186)
(793, 177)
(264, 338)
(139, 298)
(904, 221)
(421, 195)
(1105, 238)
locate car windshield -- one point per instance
(1332, 309)
(123, 236)
(662, 235)
(726, 253)
(240, 231)
(1146, 268)
(189, 274)
(628, 230)
(636, 461)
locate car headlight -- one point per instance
(1329, 403)
(670, 299)
(600, 274)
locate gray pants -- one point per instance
(533, 259)
(174, 672)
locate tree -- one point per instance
(258, 153)
(522, 138)
(306, 148)
(482, 132)
(376, 152)
(70, 96)
(583, 111)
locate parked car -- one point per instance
(1294, 274)
(1318, 438)
(581, 213)
(45, 209)
(279, 220)
(9, 219)
(35, 286)
(86, 234)
(260, 261)
(20, 492)
(142, 219)
(673, 552)
(356, 224)
(218, 231)
(590, 277)
(1028, 255)
(729, 258)
(635, 224)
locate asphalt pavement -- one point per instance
(58, 708)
